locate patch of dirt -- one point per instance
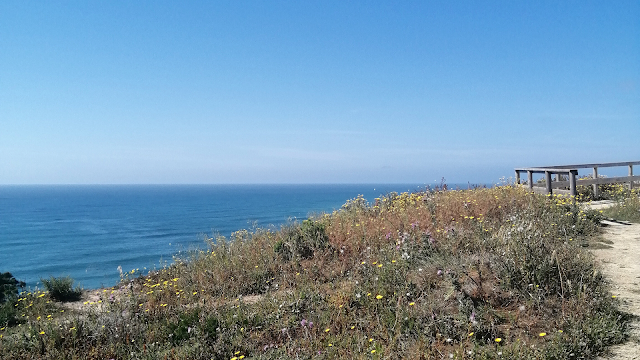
(94, 299)
(621, 264)
(252, 299)
(600, 204)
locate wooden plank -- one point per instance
(566, 168)
(547, 178)
(584, 166)
(543, 170)
(595, 186)
(543, 191)
(539, 190)
(562, 192)
(611, 180)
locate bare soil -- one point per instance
(621, 263)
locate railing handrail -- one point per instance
(552, 170)
(588, 166)
(572, 172)
(566, 168)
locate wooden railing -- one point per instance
(572, 172)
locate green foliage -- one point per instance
(302, 241)
(211, 328)
(8, 294)
(182, 329)
(8, 314)
(9, 287)
(61, 289)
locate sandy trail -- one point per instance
(621, 264)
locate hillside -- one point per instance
(474, 274)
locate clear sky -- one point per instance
(110, 92)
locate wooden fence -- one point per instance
(571, 172)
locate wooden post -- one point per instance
(517, 177)
(547, 179)
(631, 174)
(530, 179)
(572, 183)
(595, 186)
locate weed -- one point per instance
(626, 208)
(61, 289)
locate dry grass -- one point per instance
(627, 208)
(477, 274)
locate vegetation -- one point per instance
(605, 192)
(9, 287)
(476, 274)
(8, 294)
(61, 289)
(627, 208)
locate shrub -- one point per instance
(7, 315)
(302, 241)
(61, 289)
(9, 287)
(8, 292)
(182, 329)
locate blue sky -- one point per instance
(148, 92)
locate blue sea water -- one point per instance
(87, 231)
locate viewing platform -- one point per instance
(566, 176)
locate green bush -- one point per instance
(8, 293)
(61, 289)
(182, 329)
(9, 287)
(302, 241)
(7, 315)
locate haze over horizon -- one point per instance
(313, 92)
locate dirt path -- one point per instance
(621, 263)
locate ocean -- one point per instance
(88, 231)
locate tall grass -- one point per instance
(476, 274)
(626, 208)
